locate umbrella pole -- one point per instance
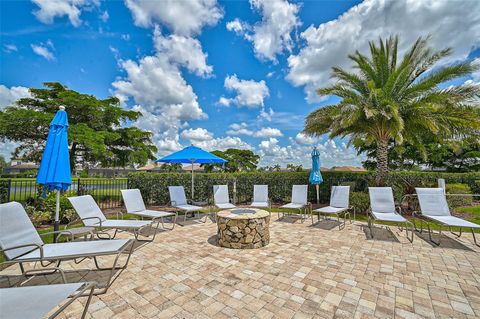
(57, 216)
(318, 197)
(192, 184)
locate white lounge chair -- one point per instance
(260, 197)
(35, 302)
(299, 201)
(21, 244)
(136, 206)
(382, 208)
(179, 200)
(434, 207)
(220, 197)
(91, 215)
(339, 205)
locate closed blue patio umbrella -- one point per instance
(54, 171)
(315, 175)
(192, 155)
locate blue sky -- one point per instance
(216, 74)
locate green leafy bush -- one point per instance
(459, 201)
(360, 201)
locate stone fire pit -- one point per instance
(243, 228)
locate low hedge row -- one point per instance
(154, 186)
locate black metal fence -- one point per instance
(106, 191)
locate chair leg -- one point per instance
(474, 238)
(430, 235)
(370, 226)
(454, 233)
(411, 231)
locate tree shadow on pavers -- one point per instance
(326, 224)
(445, 241)
(380, 233)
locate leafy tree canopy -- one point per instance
(97, 135)
(238, 160)
(393, 99)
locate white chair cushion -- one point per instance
(381, 199)
(78, 248)
(330, 210)
(33, 301)
(340, 196)
(16, 229)
(293, 205)
(259, 204)
(299, 194)
(433, 202)
(86, 207)
(454, 221)
(153, 213)
(225, 206)
(389, 217)
(188, 207)
(124, 223)
(133, 200)
(177, 195)
(220, 194)
(260, 193)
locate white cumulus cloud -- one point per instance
(249, 93)
(182, 17)
(8, 96)
(197, 135)
(450, 25)
(271, 35)
(49, 9)
(268, 132)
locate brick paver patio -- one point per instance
(305, 272)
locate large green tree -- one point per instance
(391, 99)
(98, 132)
(238, 160)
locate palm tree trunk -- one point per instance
(382, 161)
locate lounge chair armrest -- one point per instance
(173, 203)
(56, 232)
(399, 210)
(38, 246)
(118, 213)
(87, 218)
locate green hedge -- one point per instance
(154, 186)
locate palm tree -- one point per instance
(392, 101)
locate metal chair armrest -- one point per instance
(38, 246)
(87, 218)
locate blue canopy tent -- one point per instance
(315, 174)
(192, 155)
(54, 171)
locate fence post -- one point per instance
(8, 190)
(78, 187)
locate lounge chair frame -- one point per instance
(144, 214)
(86, 289)
(176, 204)
(345, 211)
(102, 230)
(268, 202)
(398, 210)
(427, 220)
(302, 211)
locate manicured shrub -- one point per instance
(360, 201)
(459, 201)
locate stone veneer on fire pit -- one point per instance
(243, 228)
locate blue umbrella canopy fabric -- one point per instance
(54, 171)
(315, 175)
(192, 155)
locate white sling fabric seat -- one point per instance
(178, 199)
(21, 243)
(382, 208)
(434, 206)
(260, 196)
(221, 198)
(91, 215)
(339, 203)
(299, 200)
(136, 206)
(35, 302)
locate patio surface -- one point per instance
(305, 272)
